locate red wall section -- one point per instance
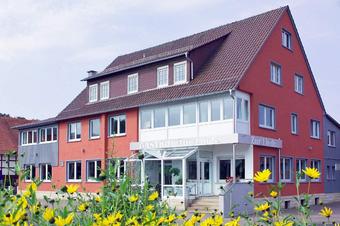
(285, 101)
(86, 149)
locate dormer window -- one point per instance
(162, 76)
(132, 83)
(93, 93)
(286, 39)
(180, 72)
(104, 90)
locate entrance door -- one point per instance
(206, 177)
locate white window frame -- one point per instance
(46, 172)
(118, 125)
(132, 76)
(331, 138)
(294, 123)
(52, 135)
(88, 179)
(91, 129)
(286, 39)
(298, 88)
(75, 132)
(276, 78)
(266, 108)
(271, 158)
(242, 113)
(299, 162)
(93, 88)
(30, 172)
(283, 169)
(315, 129)
(25, 133)
(185, 73)
(159, 69)
(75, 171)
(312, 164)
(101, 94)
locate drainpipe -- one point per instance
(232, 95)
(191, 65)
(280, 165)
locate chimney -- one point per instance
(91, 73)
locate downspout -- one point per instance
(191, 65)
(232, 95)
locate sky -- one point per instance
(46, 47)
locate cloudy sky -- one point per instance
(46, 47)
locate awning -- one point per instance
(169, 154)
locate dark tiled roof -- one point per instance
(8, 135)
(333, 120)
(36, 123)
(221, 72)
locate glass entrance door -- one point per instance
(206, 177)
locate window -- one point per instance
(45, 172)
(174, 115)
(118, 165)
(94, 128)
(74, 171)
(242, 111)
(225, 168)
(180, 72)
(192, 170)
(117, 125)
(93, 93)
(315, 129)
(331, 138)
(268, 162)
(159, 117)
(215, 110)
(93, 169)
(48, 134)
(286, 39)
(316, 164)
(333, 173)
(266, 117)
(203, 111)
(132, 83)
(275, 73)
(29, 137)
(301, 165)
(328, 173)
(74, 131)
(30, 172)
(146, 117)
(293, 123)
(189, 113)
(240, 169)
(286, 169)
(162, 76)
(298, 84)
(104, 90)
(228, 108)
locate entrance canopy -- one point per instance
(169, 154)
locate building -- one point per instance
(332, 155)
(8, 148)
(221, 103)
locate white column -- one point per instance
(184, 177)
(162, 178)
(233, 169)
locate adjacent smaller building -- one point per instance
(332, 155)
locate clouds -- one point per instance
(46, 47)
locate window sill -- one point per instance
(94, 138)
(73, 181)
(287, 48)
(277, 84)
(299, 93)
(73, 141)
(49, 142)
(29, 144)
(28, 181)
(315, 138)
(268, 128)
(294, 134)
(117, 135)
(331, 146)
(46, 181)
(92, 181)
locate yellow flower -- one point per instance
(183, 215)
(262, 176)
(97, 217)
(72, 188)
(98, 199)
(48, 214)
(32, 186)
(171, 218)
(82, 207)
(161, 220)
(234, 222)
(326, 212)
(149, 207)
(274, 212)
(132, 221)
(208, 222)
(273, 194)
(262, 207)
(312, 172)
(153, 196)
(283, 223)
(60, 221)
(265, 214)
(133, 198)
